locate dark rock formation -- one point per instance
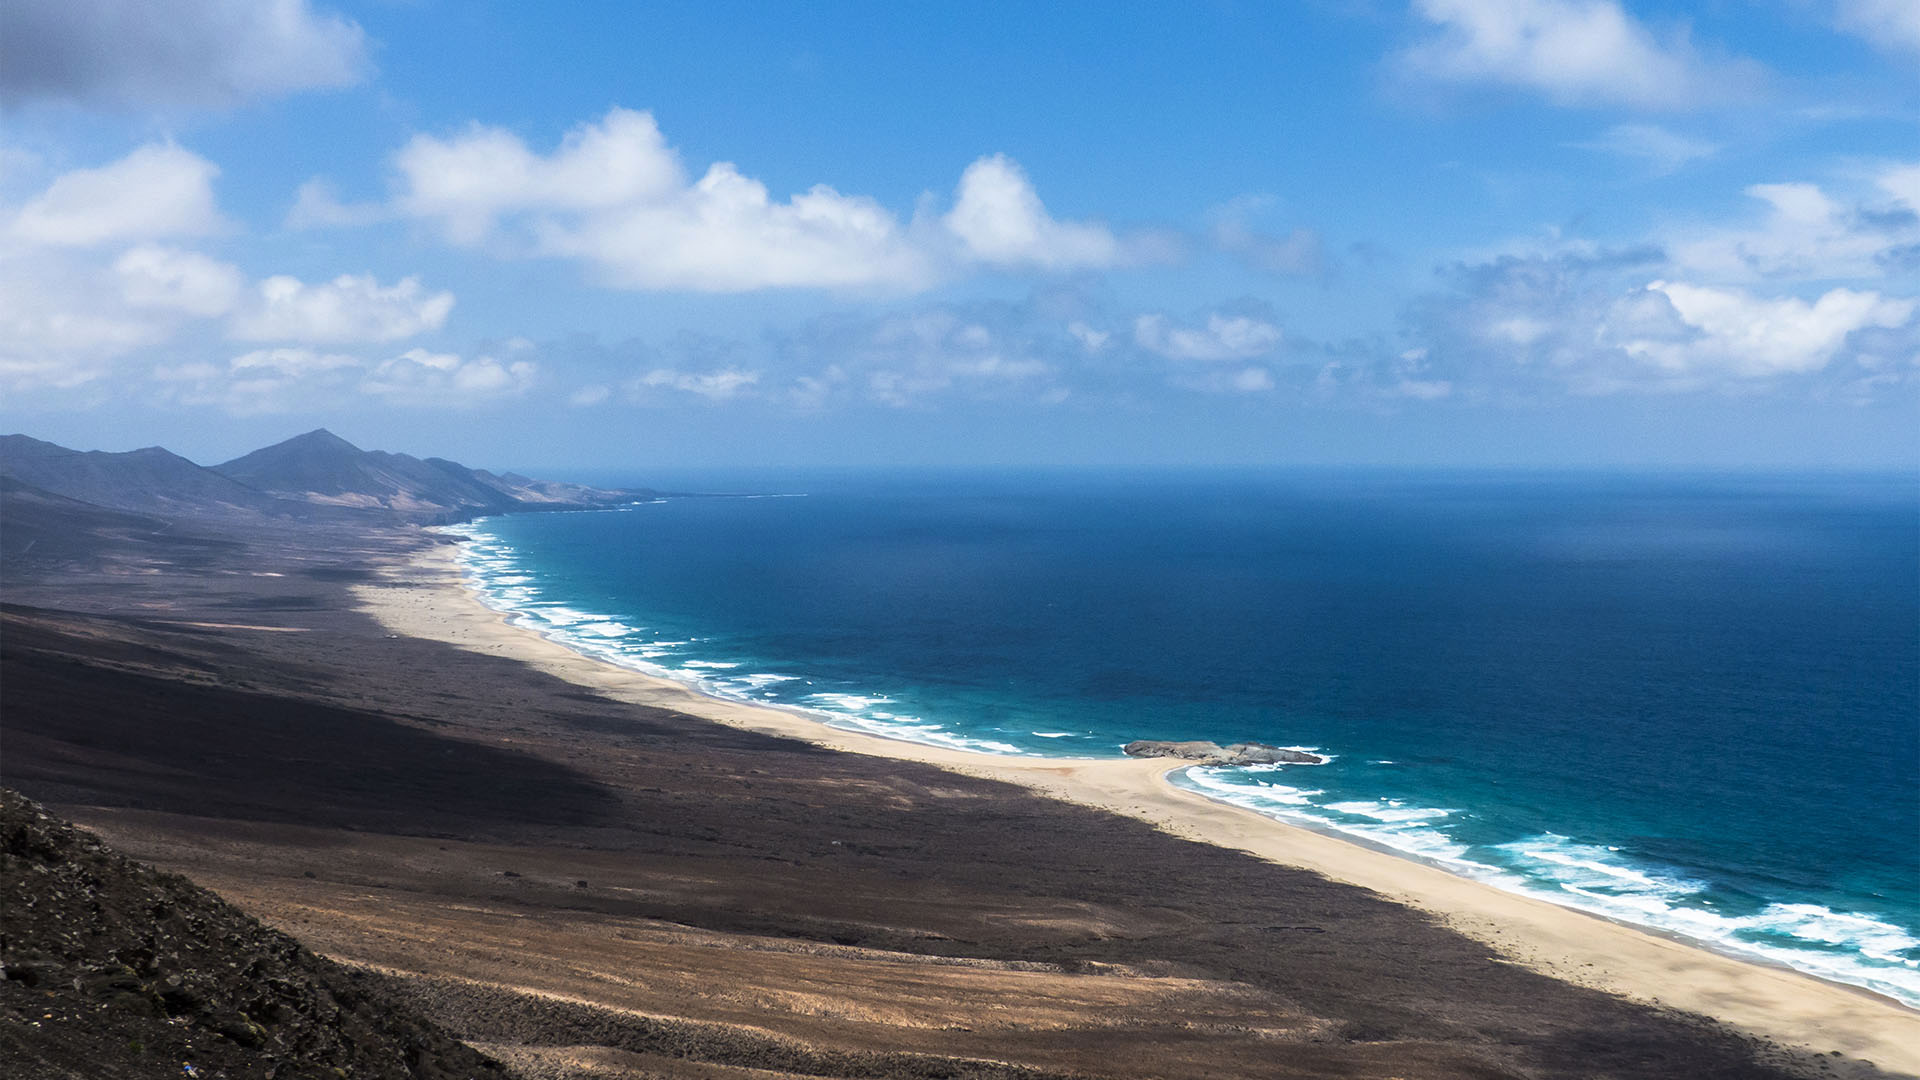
(111, 968)
(1212, 753)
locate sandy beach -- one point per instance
(594, 875)
(428, 599)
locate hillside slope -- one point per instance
(115, 969)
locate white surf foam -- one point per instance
(1859, 948)
(492, 571)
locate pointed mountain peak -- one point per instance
(320, 438)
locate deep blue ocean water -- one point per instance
(1690, 702)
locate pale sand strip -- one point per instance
(429, 599)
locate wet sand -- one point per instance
(428, 599)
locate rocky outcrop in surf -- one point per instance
(1212, 753)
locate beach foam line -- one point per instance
(485, 561)
(1857, 949)
(1549, 867)
(433, 598)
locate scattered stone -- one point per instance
(112, 968)
(1212, 753)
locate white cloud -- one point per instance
(589, 395)
(1089, 338)
(467, 182)
(614, 195)
(1902, 183)
(712, 385)
(725, 234)
(63, 322)
(1754, 337)
(1890, 24)
(183, 52)
(176, 280)
(1805, 233)
(348, 308)
(297, 378)
(159, 190)
(1664, 152)
(617, 197)
(999, 219)
(316, 206)
(418, 377)
(1224, 337)
(292, 361)
(260, 382)
(1540, 327)
(1577, 52)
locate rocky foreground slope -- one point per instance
(114, 969)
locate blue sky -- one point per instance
(1454, 232)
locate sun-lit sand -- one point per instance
(429, 599)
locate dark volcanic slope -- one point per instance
(113, 969)
(322, 467)
(316, 478)
(152, 480)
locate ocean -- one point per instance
(1689, 702)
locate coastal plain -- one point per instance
(585, 872)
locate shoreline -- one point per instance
(429, 597)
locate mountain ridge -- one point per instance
(313, 476)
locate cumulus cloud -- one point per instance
(73, 297)
(999, 219)
(1090, 338)
(1592, 323)
(157, 191)
(1808, 233)
(290, 378)
(293, 361)
(465, 183)
(173, 279)
(348, 308)
(1902, 184)
(184, 52)
(317, 206)
(1889, 24)
(1576, 52)
(63, 322)
(712, 385)
(419, 377)
(1221, 337)
(617, 197)
(1663, 152)
(1751, 336)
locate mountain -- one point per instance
(152, 480)
(321, 467)
(39, 527)
(313, 477)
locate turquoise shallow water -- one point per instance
(1690, 702)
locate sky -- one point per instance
(1538, 233)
